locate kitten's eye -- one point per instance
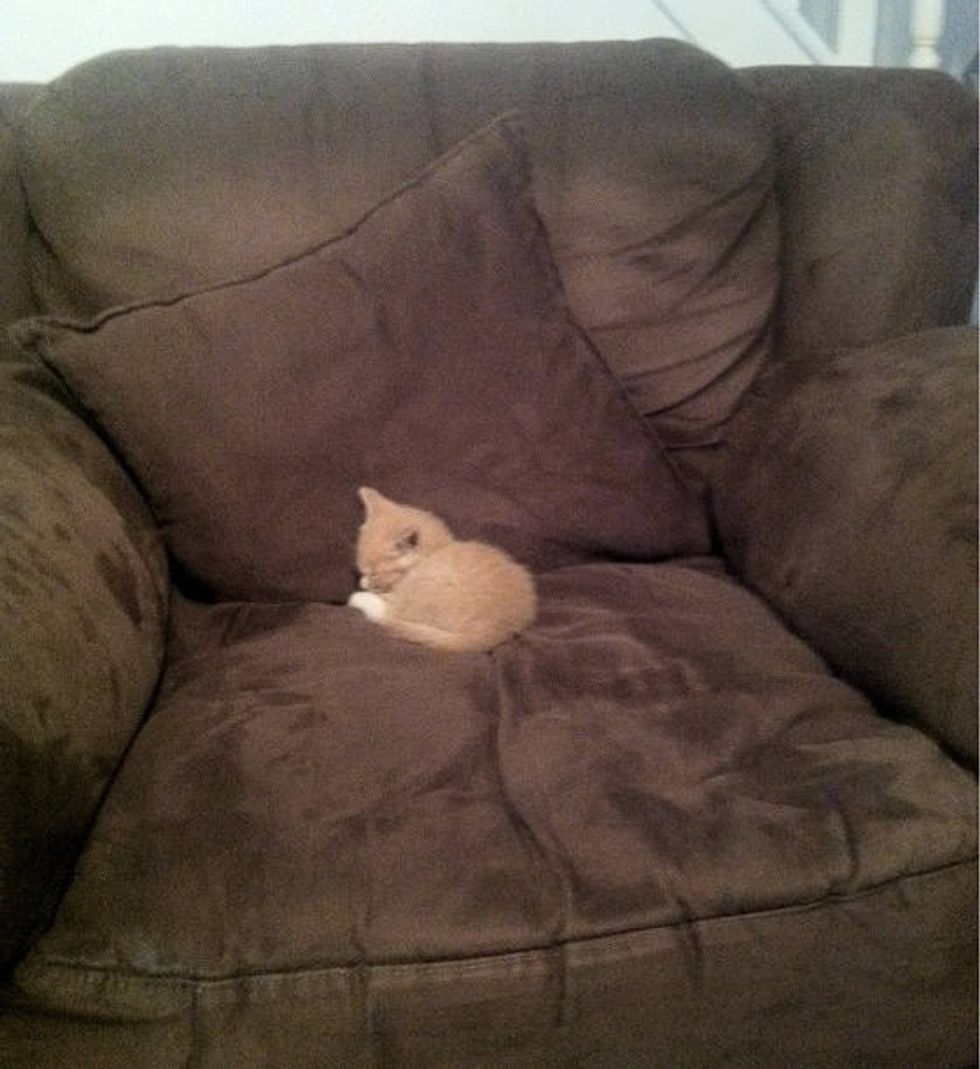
(407, 542)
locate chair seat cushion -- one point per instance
(653, 794)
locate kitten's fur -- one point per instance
(423, 585)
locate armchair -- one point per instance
(689, 342)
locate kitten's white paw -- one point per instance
(370, 604)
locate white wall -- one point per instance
(41, 38)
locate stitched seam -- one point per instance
(504, 126)
(476, 963)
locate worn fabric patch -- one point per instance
(427, 352)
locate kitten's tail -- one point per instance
(436, 638)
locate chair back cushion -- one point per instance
(160, 171)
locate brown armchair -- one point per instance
(717, 806)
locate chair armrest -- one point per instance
(848, 498)
(83, 601)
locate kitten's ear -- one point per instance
(369, 498)
(408, 541)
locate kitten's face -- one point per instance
(393, 539)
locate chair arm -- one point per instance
(83, 601)
(847, 497)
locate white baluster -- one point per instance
(925, 30)
(857, 22)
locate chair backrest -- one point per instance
(878, 195)
(16, 295)
(660, 173)
(158, 171)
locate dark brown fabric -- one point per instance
(844, 982)
(878, 197)
(656, 829)
(654, 176)
(82, 608)
(427, 353)
(16, 297)
(849, 499)
(656, 799)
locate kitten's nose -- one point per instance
(364, 583)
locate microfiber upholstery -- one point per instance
(654, 175)
(848, 498)
(877, 187)
(427, 352)
(83, 594)
(653, 774)
(16, 296)
(705, 812)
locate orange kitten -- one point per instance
(423, 585)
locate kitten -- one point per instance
(425, 586)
